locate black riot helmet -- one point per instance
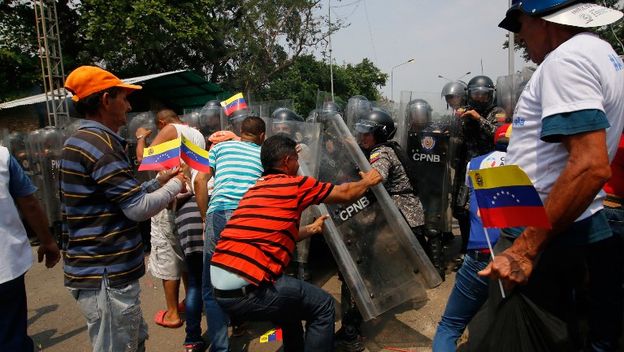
(378, 122)
(418, 114)
(481, 93)
(284, 120)
(285, 115)
(210, 117)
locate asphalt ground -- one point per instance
(56, 323)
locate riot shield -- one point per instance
(264, 109)
(136, 120)
(34, 161)
(377, 253)
(46, 146)
(16, 144)
(429, 149)
(509, 88)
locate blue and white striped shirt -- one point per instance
(236, 168)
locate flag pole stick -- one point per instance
(487, 238)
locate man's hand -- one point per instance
(512, 267)
(473, 114)
(50, 251)
(165, 175)
(371, 177)
(142, 132)
(317, 225)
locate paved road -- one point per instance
(56, 324)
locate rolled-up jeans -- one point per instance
(114, 318)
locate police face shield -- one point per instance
(365, 133)
(453, 101)
(284, 128)
(481, 95)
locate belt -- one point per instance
(235, 293)
(481, 255)
(613, 201)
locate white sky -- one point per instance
(445, 37)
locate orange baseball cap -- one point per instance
(87, 80)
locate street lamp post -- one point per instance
(392, 77)
(450, 80)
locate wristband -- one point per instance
(140, 137)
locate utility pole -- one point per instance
(511, 48)
(49, 42)
(331, 60)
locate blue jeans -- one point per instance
(286, 303)
(468, 295)
(194, 265)
(114, 318)
(13, 321)
(217, 319)
(616, 220)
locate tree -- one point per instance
(301, 82)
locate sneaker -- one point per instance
(195, 347)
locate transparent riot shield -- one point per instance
(264, 109)
(307, 136)
(34, 160)
(17, 146)
(509, 88)
(209, 119)
(46, 145)
(136, 120)
(430, 151)
(380, 258)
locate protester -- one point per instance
(18, 193)
(566, 128)
(236, 166)
(614, 201)
(101, 203)
(258, 242)
(470, 290)
(176, 246)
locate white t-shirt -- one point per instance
(197, 138)
(582, 73)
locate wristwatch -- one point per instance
(139, 137)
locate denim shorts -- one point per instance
(114, 318)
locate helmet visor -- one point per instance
(365, 126)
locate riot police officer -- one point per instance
(210, 118)
(454, 93)
(286, 121)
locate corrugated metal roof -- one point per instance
(194, 86)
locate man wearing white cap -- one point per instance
(566, 125)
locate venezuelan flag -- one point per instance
(162, 156)
(272, 335)
(506, 198)
(234, 103)
(194, 156)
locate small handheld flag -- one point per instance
(162, 156)
(234, 103)
(194, 156)
(272, 335)
(506, 198)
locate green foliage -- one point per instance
(307, 76)
(253, 46)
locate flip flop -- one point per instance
(159, 319)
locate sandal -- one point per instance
(159, 319)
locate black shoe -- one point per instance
(459, 261)
(302, 272)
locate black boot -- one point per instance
(436, 252)
(348, 338)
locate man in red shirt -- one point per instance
(258, 242)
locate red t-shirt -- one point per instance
(615, 185)
(259, 239)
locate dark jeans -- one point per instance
(13, 320)
(467, 297)
(286, 303)
(557, 277)
(194, 302)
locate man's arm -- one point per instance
(168, 133)
(586, 172)
(38, 221)
(347, 192)
(200, 184)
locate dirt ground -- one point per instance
(56, 324)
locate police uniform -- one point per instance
(396, 182)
